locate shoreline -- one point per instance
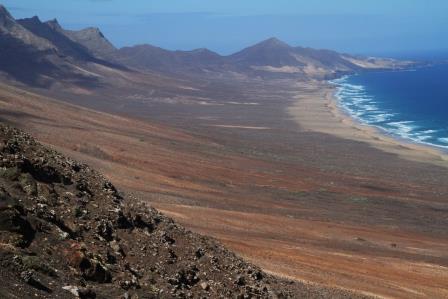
(381, 130)
(318, 110)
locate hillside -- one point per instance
(67, 232)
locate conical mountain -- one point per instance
(272, 52)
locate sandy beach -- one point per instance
(318, 110)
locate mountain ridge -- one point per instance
(64, 45)
(62, 53)
(270, 58)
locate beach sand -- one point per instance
(317, 109)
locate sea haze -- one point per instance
(410, 104)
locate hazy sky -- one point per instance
(355, 26)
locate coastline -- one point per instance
(317, 109)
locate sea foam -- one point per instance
(364, 107)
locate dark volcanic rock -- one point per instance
(66, 232)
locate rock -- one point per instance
(28, 184)
(240, 280)
(83, 187)
(199, 253)
(110, 257)
(122, 221)
(12, 221)
(86, 293)
(205, 286)
(105, 230)
(116, 248)
(257, 275)
(96, 271)
(91, 269)
(185, 278)
(31, 262)
(27, 276)
(72, 289)
(11, 173)
(166, 238)
(46, 191)
(129, 296)
(79, 292)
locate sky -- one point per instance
(369, 27)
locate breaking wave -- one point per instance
(366, 109)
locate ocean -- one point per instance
(411, 104)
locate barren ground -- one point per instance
(229, 161)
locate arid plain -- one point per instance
(235, 163)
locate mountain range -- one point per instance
(46, 51)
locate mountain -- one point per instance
(93, 39)
(272, 52)
(268, 58)
(148, 57)
(23, 55)
(39, 53)
(42, 53)
(88, 45)
(271, 58)
(11, 30)
(52, 32)
(278, 58)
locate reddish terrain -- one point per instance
(303, 205)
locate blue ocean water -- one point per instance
(411, 104)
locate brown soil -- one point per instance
(300, 204)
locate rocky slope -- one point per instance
(66, 232)
(52, 32)
(9, 27)
(93, 39)
(23, 54)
